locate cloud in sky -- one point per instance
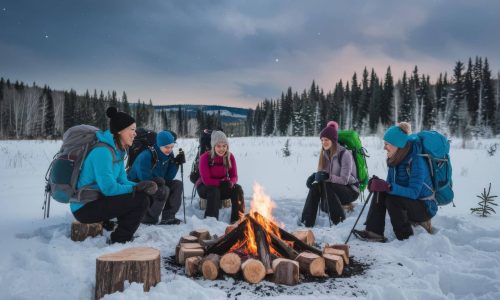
(235, 52)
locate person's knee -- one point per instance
(142, 200)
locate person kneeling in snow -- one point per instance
(103, 183)
(167, 200)
(406, 195)
(219, 177)
(335, 183)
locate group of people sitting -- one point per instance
(150, 194)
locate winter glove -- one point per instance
(321, 176)
(180, 158)
(376, 184)
(226, 185)
(159, 181)
(147, 186)
(310, 180)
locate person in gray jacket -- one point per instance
(335, 183)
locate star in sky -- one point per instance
(277, 60)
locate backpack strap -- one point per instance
(154, 156)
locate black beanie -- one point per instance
(118, 120)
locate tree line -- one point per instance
(464, 104)
(31, 112)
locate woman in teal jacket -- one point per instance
(408, 197)
(104, 171)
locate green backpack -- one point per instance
(350, 140)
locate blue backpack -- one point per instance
(436, 149)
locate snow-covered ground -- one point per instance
(460, 261)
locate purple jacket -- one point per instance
(341, 172)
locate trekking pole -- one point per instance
(182, 179)
(362, 209)
(324, 195)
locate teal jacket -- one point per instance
(101, 172)
(142, 168)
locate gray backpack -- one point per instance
(63, 172)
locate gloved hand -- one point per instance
(147, 186)
(321, 176)
(310, 180)
(226, 185)
(376, 184)
(180, 158)
(159, 181)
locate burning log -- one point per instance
(305, 236)
(184, 251)
(210, 266)
(225, 242)
(188, 239)
(262, 245)
(334, 264)
(282, 248)
(338, 252)
(286, 271)
(253, 270)
(230, 263)
(192, 266)
(311, 264)
(201, 234)
(230, 227)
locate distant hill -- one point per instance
(228, 114)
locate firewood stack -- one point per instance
(248, 247)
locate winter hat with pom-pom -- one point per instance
(398, 135)
(330, 131)
(118, 120)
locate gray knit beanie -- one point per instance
(218, 137)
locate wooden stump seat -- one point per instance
(80, 231)
(138, 264)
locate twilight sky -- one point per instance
(235, 52)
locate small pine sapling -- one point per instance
(492, 149)
(286, 149)
(485, 205)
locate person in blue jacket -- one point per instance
(167, 200)
(103, 172)
(408, 196)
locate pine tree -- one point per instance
(49, 116)
(269, 118)
(125, 104)
(113, 100)
(69, 111)
(355, 101)
(405, 107)
(470, 92)
(458, 112)
(364, 100)
(387, 99)
(285, 115)
(488, 102)
(428, 102)
(485, 208)
(100, 111)
(376, 96)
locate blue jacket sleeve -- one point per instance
(172, 169)
(101, 161)
(415, 183)
(122, 177)
(142, 169)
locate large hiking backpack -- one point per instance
(145, 139)
(351, 141)
(204, 146)
(64, 170)
(436, 149)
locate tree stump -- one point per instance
(188, 239)
(338, 252)
(286, 271)
(306, 236)
(185, 250)
(192, 266)
(139, 264)
(80, 231)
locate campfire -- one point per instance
(258, 247)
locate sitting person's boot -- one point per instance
(369, 236)
(170, 221)
(348, 208)
(427, 225)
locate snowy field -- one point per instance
(460, 261)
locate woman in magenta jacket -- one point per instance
(219, 177)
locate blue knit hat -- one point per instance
(164, 138)
(396, 136)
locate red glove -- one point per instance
(378, 185)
